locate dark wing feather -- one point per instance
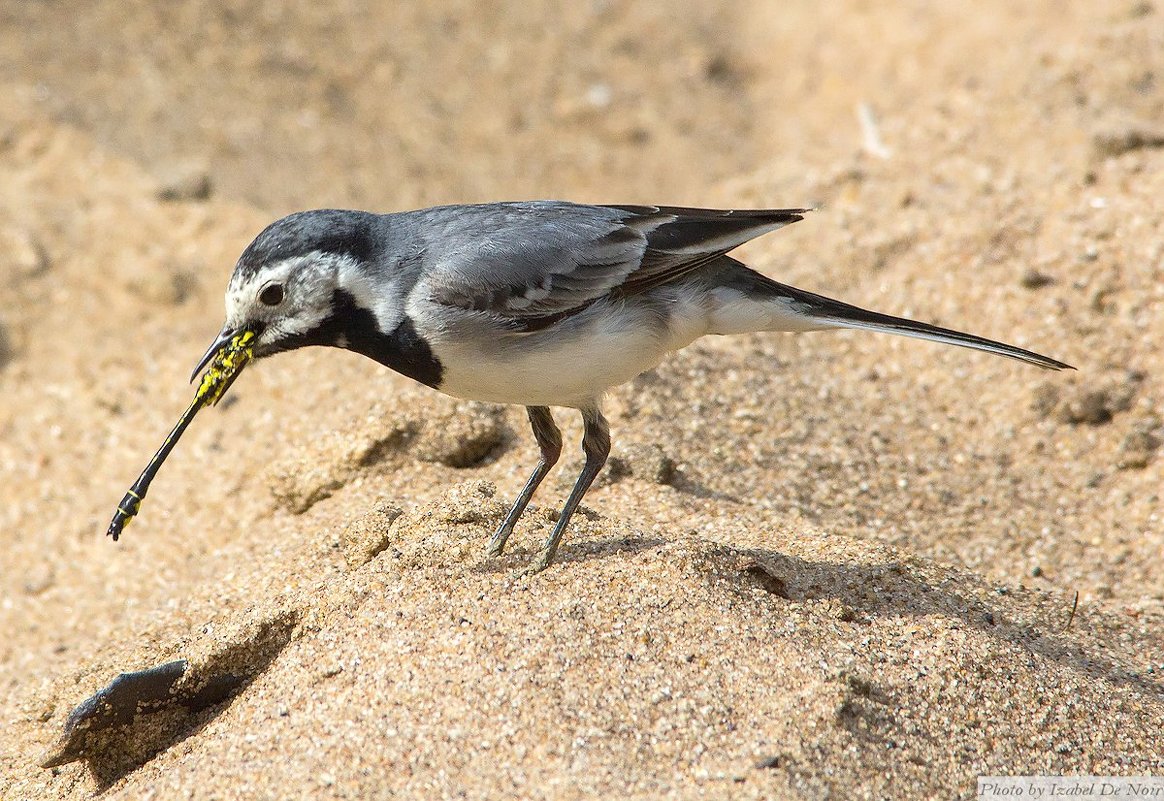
(539, 262)
(681, 240)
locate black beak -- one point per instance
(220, 342)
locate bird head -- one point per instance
(287, 289)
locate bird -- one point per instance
(534, 303)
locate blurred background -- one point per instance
(393, 104)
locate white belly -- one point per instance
(554, 367)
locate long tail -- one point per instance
(842, 315)
(817, 311)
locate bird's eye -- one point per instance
(271, 295)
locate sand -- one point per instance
(826, 566)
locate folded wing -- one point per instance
(536, 263)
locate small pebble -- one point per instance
(1115, 142)
(1138, 448)
(6, 349)
(184, 182)
(22, 254)
(1091, 406)
(39, 579)
(646, 462)
(368, 535)
(1033, 279)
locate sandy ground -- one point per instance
(832, 566)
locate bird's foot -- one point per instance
(545, 557)
(497, 544)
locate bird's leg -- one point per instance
(596, 446)
(550, 441)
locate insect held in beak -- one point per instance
(226, 358)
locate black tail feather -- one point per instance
(843, 315)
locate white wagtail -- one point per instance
(534, 303)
